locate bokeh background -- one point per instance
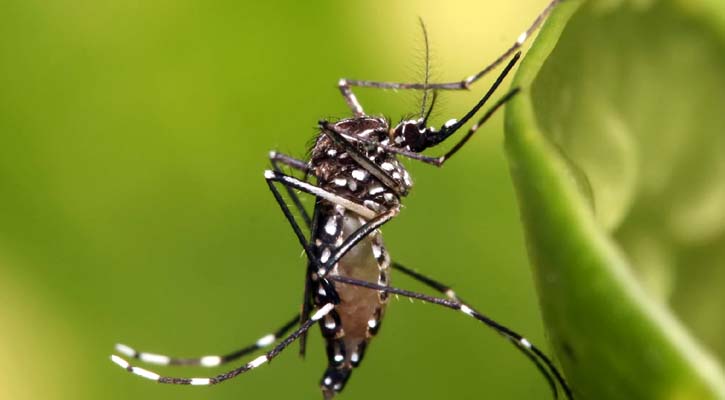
(133, 207)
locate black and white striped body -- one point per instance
(349, 327)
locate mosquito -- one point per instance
(359, 186)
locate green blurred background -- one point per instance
(133, 207)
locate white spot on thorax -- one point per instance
(331, 226)
(372, 205)
(376, 189)
(325, 255)
(360, 174)
(406, 179)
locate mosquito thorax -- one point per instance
(338, 172)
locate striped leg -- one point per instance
(521, 343)
(324, 310)
(448, 292)
(210, 360)
(272, 176)
(276, 159)
(432, 283)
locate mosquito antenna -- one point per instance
(430, 109)
(427, 68)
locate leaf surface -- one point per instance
(617, 151)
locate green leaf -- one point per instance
(617, 151)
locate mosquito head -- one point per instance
(413, 135)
